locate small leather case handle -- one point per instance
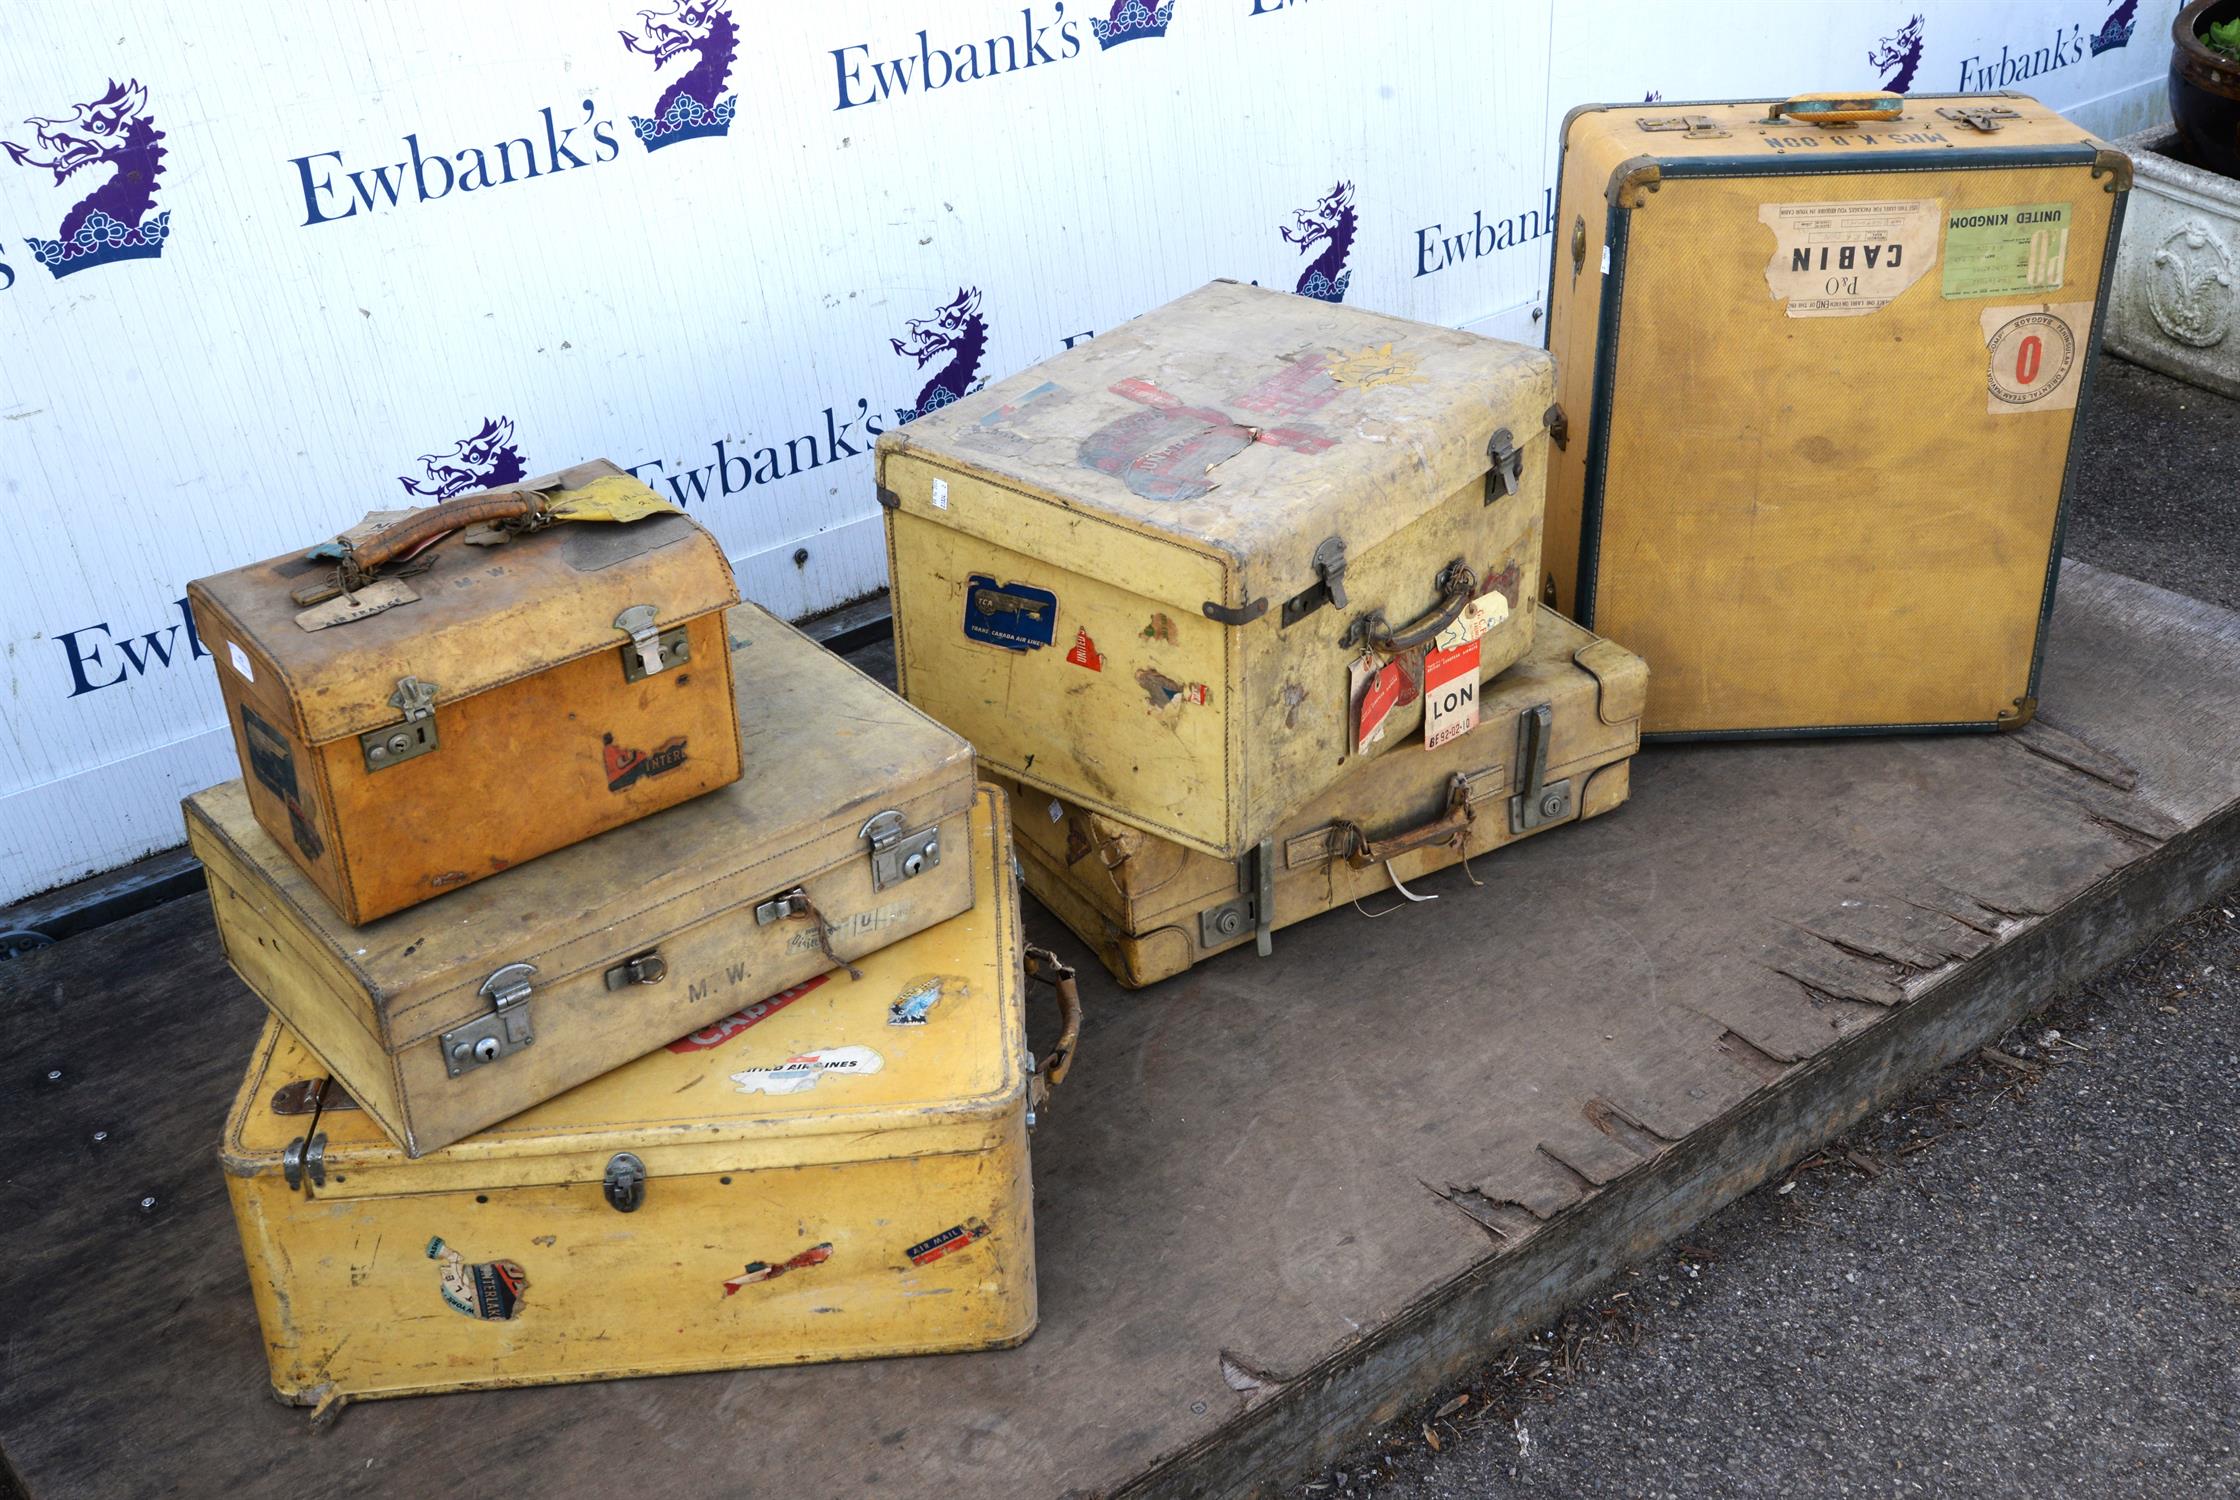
(393, 542)
(1452, 823)
(1457, 587)
(1838, 109)
(1051, 1068)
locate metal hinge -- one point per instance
(310, 1096)
(899, 853)
(1242, 614)
(625, 1182)
(1539, 801)
(1697, 127)
(1329, 564)
(305, 1159)
(1253, 909)
(1559, 426)
(1504, 465)
(1983, 117)
(416, 736)
(501, 1033)
(648, 967)
(651, 649)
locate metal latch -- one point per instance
(899, 853)
(625, 1182)
(1698, 127)
(309, 1096)
(1504, 465)
(305, 1159)
(1253, 908)
(1541, 801)
(651, 650)
(416, 700)
(793, 903)
(648, 967)
(1329, 564)
(1983, 117)
(501, 1033)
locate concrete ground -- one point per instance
(2025, 1281)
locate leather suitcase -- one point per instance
(448, 1017)
(1822, 363)
(838, 1171)
(1140, 574)
(1554, 746)
(463, 707)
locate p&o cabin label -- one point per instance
(1844, 260)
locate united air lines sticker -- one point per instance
(2034, 354)
(800, 1072)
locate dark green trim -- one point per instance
(1616, 236)
(1812, 732)
(2076, 427)
(1858, 163)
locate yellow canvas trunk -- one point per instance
(1822, 365)
(1138, 574)
(1554, 746)
(848, 833)
(837, 1172)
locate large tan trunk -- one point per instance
(450, 1016)
(1818, 492)
(499, 715)
(1137, 575)
(1554, 747)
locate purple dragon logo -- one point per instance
(1330, 220)
(2116, 30)
(958, 331)
(482, 462)
(1902, 52)
(1131, 21)
(695, 105)
(116, 221)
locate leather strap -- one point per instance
(1051, 1068)
(1451, 826)
(423, 526)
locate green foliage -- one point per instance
(2224, 37)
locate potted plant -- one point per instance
(2205, 82)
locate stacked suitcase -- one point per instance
(1240, 601)
(651, 1031)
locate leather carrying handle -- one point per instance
(422, 526)
(1838, 109)
(1457, 587)
(1450, 826)
(1051, 1068)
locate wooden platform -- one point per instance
(1279, 1199)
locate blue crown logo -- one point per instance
(2116, 30)
(685, 120)
(100, 240)
(1131, 21)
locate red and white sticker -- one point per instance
(1084, 652)
(1375, 691)
(1450, 671)
(2035, 356)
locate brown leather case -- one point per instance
(500, 713)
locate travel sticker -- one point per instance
(491, 1289)
(800, 1072)
(739, 1020)
(1015, 616)
(948, 1242)
(1084, 652)
(759, 1271)
(2033, 356)
(1370, 366)
(1843, 260)
(1999, 252)
(627, 767)
(272, 760)
(920, 996)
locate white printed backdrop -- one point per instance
(265, 267)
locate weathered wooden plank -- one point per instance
(1277, 1199)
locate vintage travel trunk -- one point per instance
(423, 703)
(849, 834)
(837, 1171)
(1141, 575)
(1823, 361)
(1554, 746)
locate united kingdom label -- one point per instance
(2033, 356)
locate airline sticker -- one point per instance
(1084, 652)
(1015, 616)
(717, 1033)
(948, 1242)
(920, 996)
(1844, 260)
(2000, 252)
(800, 1072)
(759, 1271)
(491, 1290)
(2034, 355)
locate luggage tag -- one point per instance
(615, 498)
(1450, 671)
(1376, 685)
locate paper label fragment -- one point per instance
(1844, 260)
(386, 593)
